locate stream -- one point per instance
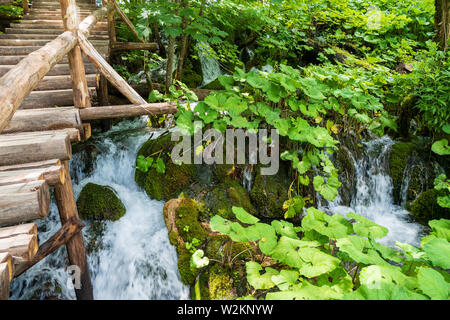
(137, 261)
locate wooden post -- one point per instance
(81, 98)
(67, 208)
(25, 6)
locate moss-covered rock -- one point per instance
(270, 192)
(187, 274)
(425, 207)
(400, 153)
(181, 218)
(221, 286)
(98, 202)
(188, 225)
(344, 162)
(163, 186)
(94, 235)
(221, 198)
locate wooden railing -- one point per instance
(18, 82)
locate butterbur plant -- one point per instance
(146, 163)
(337, 257)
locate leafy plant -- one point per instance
(331, 257)
(145, 163)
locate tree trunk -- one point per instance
(442, 23)
(183, 45)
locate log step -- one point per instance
(40, 42)
(53, 31)
(23, 202)
(57, 70)
(6, 274)
(26, 50)
(52, 175)
(44, 119)
(62, 82)
(26, 147)
(19, 243)
(52, 98)
(13, 60)
(48, 37)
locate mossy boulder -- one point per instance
(400, 153)
(98, 202)
(344, 162)
(163, 186)
(221, 198)
(181, 218)
(94, 235)
(426, 208)
(269, 192)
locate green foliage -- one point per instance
(330, 257)
(441, 183)
(145, 163)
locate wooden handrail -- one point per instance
(18, 82)
(24, 77)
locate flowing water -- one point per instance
(136, 261)
(373, 197)
(210, 66)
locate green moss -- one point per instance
(214, 247)
(397, 162)
(270, 192)
(187, 274)
(98, 202)
(221, 198)
(163, 186)
(187, 222)
(425, 207)
(344, 163)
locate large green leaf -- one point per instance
(333, 227)
(316, 262)
(305, 291)
(441, 228)
(286, 279)
(244, 216)
(359, 250)
(441, 147)
(258, 280)
(433, 284)
(438, 250)
(286, 251)
(367, 228)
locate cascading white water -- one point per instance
(210, 66)
(373, 198)
(136, 260)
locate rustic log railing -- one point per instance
(29, 170)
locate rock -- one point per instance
(270, 192)
(221, 198)
(398, 158)
(426, 208)
(163, 186)
(98, 202)
(344, 162)
(181, 218)
(94, 235)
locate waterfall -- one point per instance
(373, 197)
(210, 66)
(136, 260)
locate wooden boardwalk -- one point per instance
(48, 95)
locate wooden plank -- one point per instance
(27, 228)
(44, 119)
(6, 258)
(52, 98)
(61, 237)
(108, 71)
(24, 202)
(28, 147)
(23, 246)
(4, 281)
(124, 111)
(52, 175)
(31, 165)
